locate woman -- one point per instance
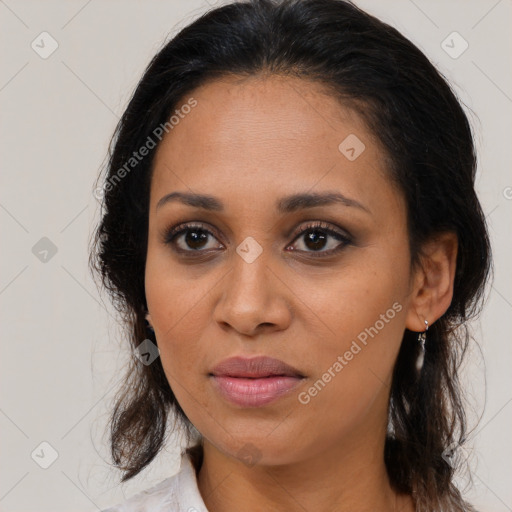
(290, 217)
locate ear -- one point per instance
(148, 318)
(433, 281)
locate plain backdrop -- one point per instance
(62, 354)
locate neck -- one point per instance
(350, 478)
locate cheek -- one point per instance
(358, 303)
(178, 322)
(178, 326)
(361, 319)
(177, 314)
(174, 295)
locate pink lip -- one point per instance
(254, 382)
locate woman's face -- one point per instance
(332, 302)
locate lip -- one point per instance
(254, 367)
(256, 381)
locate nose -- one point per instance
(253, 299)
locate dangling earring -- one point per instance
(422, 337)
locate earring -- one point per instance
(422, 337)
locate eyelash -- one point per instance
(173, 233)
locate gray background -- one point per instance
(61, 349)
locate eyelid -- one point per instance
(168, 235)
(321, 225)
(343, 236)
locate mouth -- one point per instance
(254, 382)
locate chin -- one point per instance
(257, 448)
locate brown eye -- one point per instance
(190, 238)
(317, 239)
(319, 236)
(195, 239)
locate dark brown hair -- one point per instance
(412, 111)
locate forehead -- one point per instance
(267, 134)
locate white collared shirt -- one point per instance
(178, 493)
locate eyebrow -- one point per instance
(286, 204)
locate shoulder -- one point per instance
(153, 499)
(178, 493)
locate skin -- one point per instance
(249, 143)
